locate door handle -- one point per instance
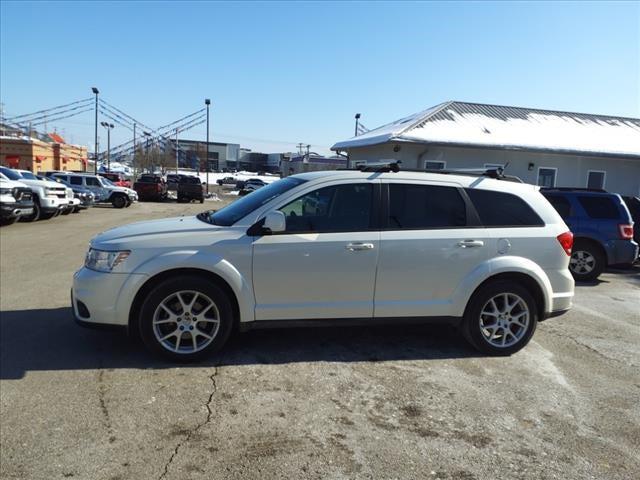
(356, 247)
(470, 243)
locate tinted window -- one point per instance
(425, 206)
(340, 208)
(92, 182)
(599, 207)
(10, 174)
(561, 204)
(498, 209)
(75, 180)
(243, 207)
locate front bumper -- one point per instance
(104, 298)
(52, 204)
(15, 210)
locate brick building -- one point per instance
(37, 155)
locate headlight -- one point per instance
(5, 191)
(104, 261)
(48, 192)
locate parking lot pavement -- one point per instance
(383, 402)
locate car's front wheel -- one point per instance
(501, 318)
(119, 201)
(186, 318)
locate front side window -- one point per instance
(498, 209)
(92, 182)
(339, 208)
(425, 207)
(75, 180)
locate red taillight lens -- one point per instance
(566, 241)
(626, 230)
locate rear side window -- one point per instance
(561, 204)
(424, 207)
(92, 182)
(499, 209)
(75, 180)
(599, 207)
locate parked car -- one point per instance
(49, 198)
(633, 204)
(487, 255)
(190, 188)
(227, 181)
(151, 187)
(118, 179)
(83, 195)
(602, 229)
(102, 188)
(15, 201)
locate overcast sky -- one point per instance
(283, 73)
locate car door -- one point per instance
(323, 265)
(93, 184)
(430, 241)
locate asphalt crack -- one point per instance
(191, 432)
(102, 390)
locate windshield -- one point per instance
(28, 176)
(106, 182)
(10, 174)
(243, 207)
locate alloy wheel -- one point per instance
(504, 320)
(582, 262)
(186, 322)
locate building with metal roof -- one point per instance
(544, 147)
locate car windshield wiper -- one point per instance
(206, 216)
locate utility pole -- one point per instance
(176, 150)
(95, 144)
(207, 102)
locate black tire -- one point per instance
(76, 210)
(475, 334)
(67, 211)
(171, 286)
(129, 202)
(202, 200)
(7, 221)
(119, 201)
(587, 261)
(37, 212)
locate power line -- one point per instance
(13, 119)
(49, 120)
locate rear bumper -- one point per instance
(622, 251)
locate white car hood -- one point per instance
(41, 183)
(11, 183)
(168, 232)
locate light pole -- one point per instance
(108, 126)
(95, 144)
(207, 102)
(176, 150)
(146, 147)
(357, 122)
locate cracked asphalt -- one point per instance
(379, 402)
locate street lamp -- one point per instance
(207, 102)
(357, 122)
(95, 145)
(147, 135)
(108, 126)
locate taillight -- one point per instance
(626, 230)
(566, 241)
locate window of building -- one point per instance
(561, 204)
(425, 206)
(434, 165)
(498, 209)
(595, 179)
(599, 206)
(340, 208)
(547, 177)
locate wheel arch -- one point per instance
(595, 242)
(150, 283)
(529, 282)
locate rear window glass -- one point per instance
(498, 209)
(599, 206)
(561, 204)
(425, 206)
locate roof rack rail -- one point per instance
(574, 189)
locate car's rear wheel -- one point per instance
(587, 261)
(501, 318)
(67, 211)
(119, 201)
(185, 318)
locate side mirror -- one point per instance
(275, 222)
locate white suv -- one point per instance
(488, 255)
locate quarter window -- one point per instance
(598, 206)
(340, 208)
(424, 207)
(498, 209)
